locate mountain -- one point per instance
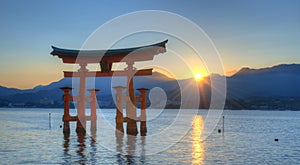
(8, 91)
(51, 95)
(277, 81)
(275, 87)
(278, 69)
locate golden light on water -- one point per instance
(198, 150)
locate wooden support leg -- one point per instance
(93, 125)
(131, 128)
(66, 117)
(119, 108)
(131, 102)
(80, 128)
(93, 93)
(66, 142)
(81, 122)
(66, 129)
(143, 118)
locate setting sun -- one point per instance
(198, 77)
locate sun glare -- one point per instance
(198, 77)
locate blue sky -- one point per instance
(253, 33)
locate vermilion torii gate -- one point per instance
(106, 58)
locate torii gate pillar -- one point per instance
(93, 97)
(119, 108)
(81, 122)
(131, 101)
(143, 118)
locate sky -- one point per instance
(248, 33)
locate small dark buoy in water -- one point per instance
(276, 140)
(219, 131)
(60, 126)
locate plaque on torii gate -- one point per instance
(106, 58)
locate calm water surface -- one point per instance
(249, 139)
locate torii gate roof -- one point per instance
(142, 53)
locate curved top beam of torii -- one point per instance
(142, 53)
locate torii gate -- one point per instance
(106, 58)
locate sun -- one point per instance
(198, 77)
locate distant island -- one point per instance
(274, 88)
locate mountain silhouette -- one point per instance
(256, 88)
(278, 81)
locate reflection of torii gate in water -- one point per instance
(106, 58)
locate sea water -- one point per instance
(30, 136)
